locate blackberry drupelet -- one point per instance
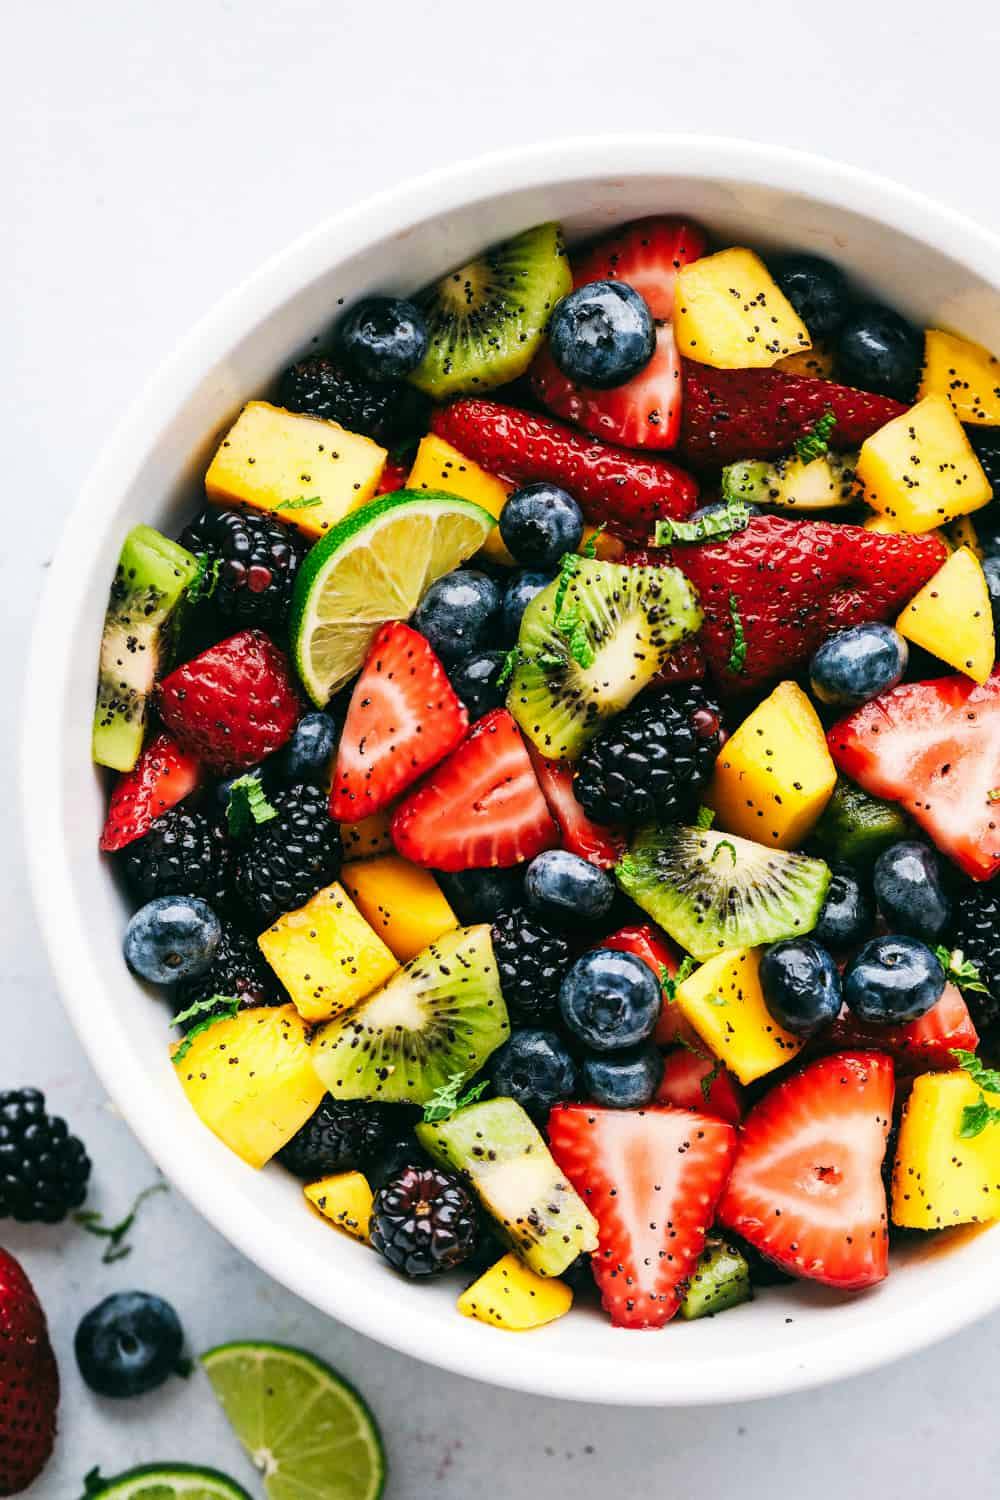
(183, 854)
(531, 960)
(238, 972)
(424, 1221)
(339, 1137)
(652, 761)
(280, 864)
(975, 929)
(390, 412)
(256, 557)
(43, 1169)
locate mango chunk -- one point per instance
(730, 313)
(964, 372)
(951, 617)
(774, 776)
(724, 1003)
(439, 466)
(817, 363)
(270, 459)
(963, 533)
(326, 955)
(346, 1200)
(251, 1080)
(370, 836)
(920, 470)
(509, 1295)
(401, 902)
(939, 1177)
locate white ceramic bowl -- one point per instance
(925, 260)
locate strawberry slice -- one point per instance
(647, 254)
(404, 717)
(163, 775)
(233, 704)
(790, 584)
(918, 1046)
(733, 414)
(394, 476)
(656, 950)
(933, 747)
(645, 412)
(29, 1381)
(479, 809)
(652, 1179)
(693, 1079)
(807, 1190)
(625, 491)
(595, 842)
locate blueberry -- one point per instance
(481, 895)
(540, 523)
(857, 664)
(986, 444)
(602, 334)
(801, 985)
(881, 352)
(307, 755)
(847, 915)
(610, 1000)
(520, 591)
(568, 891)
(816, 288)
(991, 572)
(626, 1081)
(535, 1069)
(910, 892)
(384, 338)
(458, 614)
(893, 979)
(128, 1344)
(475, 681)
(172, 938)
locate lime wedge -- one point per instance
(307, 1431)
(166, 1482)
(376, 565)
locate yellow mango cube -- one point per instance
(326, 955)
(730, 313)
(402, 903)
(370, 836)
(272, 459)
(816, 363)
(439, 466)
(951, 617)
(939, 1177)
(920, 470)
(963, 533)
(510, 1295)
(724, 1003)
(964, 372)
(346, 1200)
(250, 1079)
(774, 775)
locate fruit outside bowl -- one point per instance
(926, 260)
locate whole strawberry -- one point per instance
(29, 1381)
(233, 704)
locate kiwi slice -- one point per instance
(589, 642)
(711, 890)
(485, 320)
(439, 1016)
(517, 1180)
(151, 578)
(856, 827)
(817, 484)
(720, 1281)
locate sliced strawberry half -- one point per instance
(163, 775)
(481, 808)
(919, 1046)
(599, 844)
(645, 412)
(652, 1179)
(807, 1189)
(693, 1079)
(647, 254)
(656, 950)
(933, 747)
(404, 717)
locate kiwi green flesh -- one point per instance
(711, 890)
(824, 484)
(856, 828)
(630, 618)
(441, 1014)
(485, 320)
(720, 1281)
(512, 1170)
(150, 580)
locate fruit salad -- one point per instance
(557, 776)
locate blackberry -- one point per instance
(280, 864)
(255, 559)
(238, 970)
(651, 762)
(183, 854)
(43, 1169)
(975, 929)
(424, 1221)
(390, 412)
(337, 1138)
(531, 960)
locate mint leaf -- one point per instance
(987, 1078)
(511, 662)
(247, 804)
(708, 1081)
(589, 548)
(568, 569)
(670, 982)
(228, 1007)
(724, 844)
(304, 502)
(961, 970)
(449, 1097)
(202, 585)
(115, 1234)
(976, 1117)
(716, 526)
(705, 818)
(738, 654)
(814, 443)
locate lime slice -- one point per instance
(308, 1432)
(376, 565)
(166, 1482)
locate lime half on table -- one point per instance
(310, 1435)
(375, 565)
(166, 1482)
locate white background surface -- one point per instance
(153, 154)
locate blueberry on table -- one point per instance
(568, 891)
(610, 1000)
(540, 523)
(910, 891)
(476, 681)
(128, 1344)
(458, 614)
(879, 351)
(847, 915)
(602, 334)
(816, 288)
(383, 338)
(801, 985)
(625, 1080)
(892, 980)
(535, 1069)
(172, 938)
(518, 595)
(309, 752)
(858, 664)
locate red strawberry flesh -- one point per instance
(163, 775)
(919, 1046)
(29, 1381)
(233, 704)
(655, 949)
(693, 1079)
(601, 845)
(646, 254)
(644, 412)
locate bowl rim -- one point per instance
(392, 211)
